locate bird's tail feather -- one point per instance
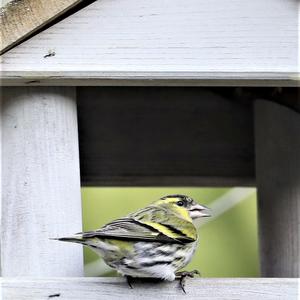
(72, 239)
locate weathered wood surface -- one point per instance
(164, 137)
(0, 174)
(20, 18)
(40, 182)
(155, 78)
(117, 288)
(277, 140)
(202, 42)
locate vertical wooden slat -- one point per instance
(41, 182)
(277, 139)
(0, 177)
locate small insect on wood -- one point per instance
(50, 53)
(54, 295)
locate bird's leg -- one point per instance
(182, 276)
(129, 281)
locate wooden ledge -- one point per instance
(147, 78)
(116, 288)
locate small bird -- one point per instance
(154, 242)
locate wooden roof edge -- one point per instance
(21, 19)
(148, 78)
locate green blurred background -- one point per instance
(228, 241)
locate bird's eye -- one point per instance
(180, 203)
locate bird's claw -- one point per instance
(182, 276)
(129, 281)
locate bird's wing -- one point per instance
(148, 224)
(167, 223)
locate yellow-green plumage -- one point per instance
(155, 241)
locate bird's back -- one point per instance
(152, 242)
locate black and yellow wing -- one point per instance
(149, 224)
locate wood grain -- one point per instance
(253, 41)
(151, 78)
(40, 182)
(116, 288)
(20, 18)
(0, 175)
(164, 137)
(277, 143)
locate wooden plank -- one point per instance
(19, 19)
(116, 288)
(141, 39)
(164, 136)
(40, 182)
(277, 140)
(161, 180)
(142, 78)
(0, 175)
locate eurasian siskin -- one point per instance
(154, 242)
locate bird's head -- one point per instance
(185, 206)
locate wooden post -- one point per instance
(0, 178)
(277, 139)
(40, 181)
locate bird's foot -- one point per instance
(129, 281)
(182, 276)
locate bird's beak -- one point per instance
(199, 211)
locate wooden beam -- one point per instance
(40, 182)
(164, 137)
(116, 288)
(151, 78)
(277, 144)
(20, 18)
(113, 42)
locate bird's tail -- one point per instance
(73, 239)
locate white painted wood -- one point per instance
(172, 39)
(277, 139)
(117, 288)
(41, 182)
(155, 78)
(0, 176)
